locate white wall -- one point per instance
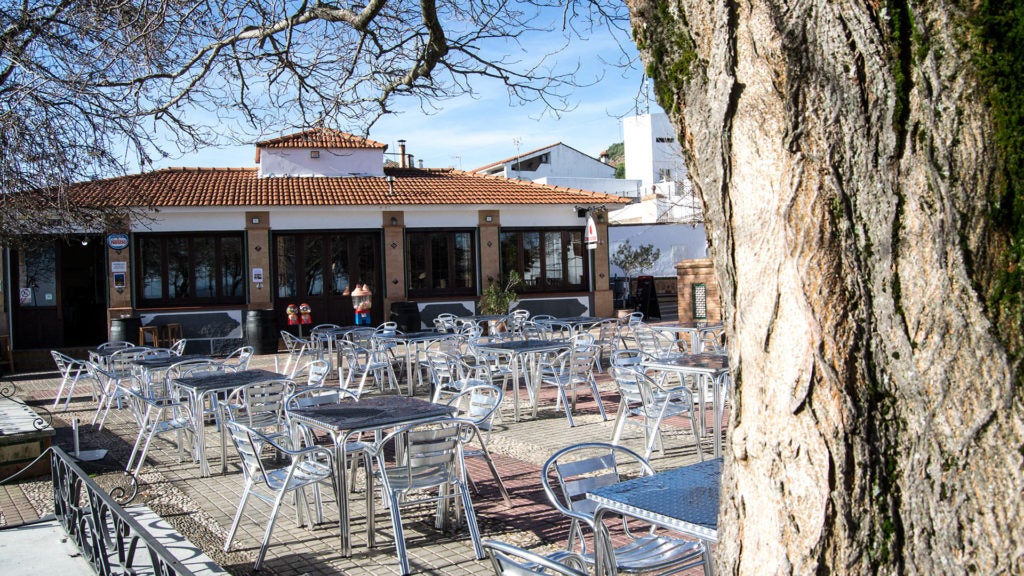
(278, 162)
(677, 242)
(645, 156)
(617, 186)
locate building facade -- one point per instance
(319, 215)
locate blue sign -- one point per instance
(117, 241)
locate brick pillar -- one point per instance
(120, 304)
(691, 273)
(604, 302)
(490, 248)
(393, 223)
(257, 230)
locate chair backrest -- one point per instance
(249, 443)
(509, 560)
(315, 372)
(313, 397)
(259, 404)
(179, 347)
(655, 342)
(120, 361)
(712, 340)
(431, 455)
(156, 353)
(239, 359)
(293, 343)
(204, 367)
(534, 331)
(635, 318)
(361, 337)
(64, 362)
(573, 471)
(114, 344)
(607, 331)
(478, 403)
(630, 358)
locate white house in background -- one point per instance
(677, 242)
(562, 165)
(652, 153)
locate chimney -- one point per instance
(402, 163)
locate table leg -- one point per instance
(341, 475)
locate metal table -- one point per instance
(371, 414)
(202, 386)
(685, 500)
(520, 350)
(711, 366)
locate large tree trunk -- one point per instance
(844, 155)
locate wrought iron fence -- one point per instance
(109, 538)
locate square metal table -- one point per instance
(712, 366)
(369, 414)
(684, 499)
(202, 386)
(520, 351)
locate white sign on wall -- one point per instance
(590, 237)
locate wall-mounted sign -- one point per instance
(257, 275)
(590, 237)
(117, 241)
(119, 281)
(118, 266)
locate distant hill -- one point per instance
(617, 157)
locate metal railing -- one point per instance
(107, 535)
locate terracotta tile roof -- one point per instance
(195, 187)
(516, 157)
(320, 138)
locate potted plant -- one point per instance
(498, 296)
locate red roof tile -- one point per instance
(196, 187)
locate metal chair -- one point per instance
(606, 339)
(239, 359)
(260, 406)
(430, 457)
(362, 363)
(571, 370)
(657, 342)
(509, 560)
(179, 347)
(642, 396)
(573, 471)
(71, 371)
(314, 372)
(354, 449)
(118, 373)
(298, 349)
(154, 416)
(307, 466)
(478, 404)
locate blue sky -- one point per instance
(466, 132)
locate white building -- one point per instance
(652, 153)
(561, 165)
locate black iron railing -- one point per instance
(109, 538)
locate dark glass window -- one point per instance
(547, 260)
(441, 263)
(177, 270)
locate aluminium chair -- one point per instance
(299, 350)
(156, 416)
(239, 359)
(478, 404)
(429, 457)
(570, 371)
(71, 372)
(570, 473)
(306, 467)
(363, 363)
(509, 560)
(645, 398)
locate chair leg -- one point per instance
(474, 530)
(396, 526)
(597, 396)
(486, 455)
(238, 515)
(270, 529)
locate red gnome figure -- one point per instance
(305, 313)
(293, 314)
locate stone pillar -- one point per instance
(257, 231)
(393, 223)
(690, 275)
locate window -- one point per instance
(547, 260)
(531, 164)
(175, 270)
(37, 277)
(441, 263)
(664, 139)
(665, 174)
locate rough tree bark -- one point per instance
(844, 154)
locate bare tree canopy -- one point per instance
(88, 88)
